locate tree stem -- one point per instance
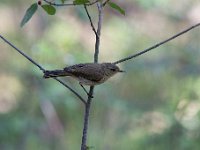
(96, 54)
(86, 119)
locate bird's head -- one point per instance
(110, 69)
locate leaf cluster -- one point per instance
(50, 8)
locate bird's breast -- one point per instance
(85, 81)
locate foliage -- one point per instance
(116, 7)
(51, 10)
(153, 106)
(29, 13)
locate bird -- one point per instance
(90, 74)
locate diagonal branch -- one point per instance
(91, 23)
(41, 68)
(98, 32)
(157, 45)
(73, 91)
(22, 53)
(104, 4)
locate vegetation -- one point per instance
(154, 105)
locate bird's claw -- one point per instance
(89, 95)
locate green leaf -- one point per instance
(116, 7)
(29, 13)
(49, 9)
(80, 2)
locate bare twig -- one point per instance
(73, 91)
(91, 23)
(96, 54)
(100, 8)
(157, 45)
(41, 68)
(104, 4)
(69, 4)
(22, 53)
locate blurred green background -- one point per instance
(155, 105)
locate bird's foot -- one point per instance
(89, 95)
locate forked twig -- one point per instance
(100, 12)
(91, 91)
(91, 23)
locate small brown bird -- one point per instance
(88, 73)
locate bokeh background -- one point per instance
(155, 105)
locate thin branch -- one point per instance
(104, 4)
(97, 44)
(22, 53)
(73, 91)
(157, 45)
(91, 92)
(89, 4)
(91, 23)
(86, 119)
(69, 4)
(41, 68)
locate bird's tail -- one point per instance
(55, 73)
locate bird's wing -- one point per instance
(88, 71)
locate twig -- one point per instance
(99, 5)
(67, 86)
(157, 45)
(69, 4)
(91, 23)
(22, 53)
(104, 4)
(89, 101)
(41, 68)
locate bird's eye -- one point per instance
(113, 69)
(80, 65)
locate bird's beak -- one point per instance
(122, 71)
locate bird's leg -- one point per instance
(86, 90)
